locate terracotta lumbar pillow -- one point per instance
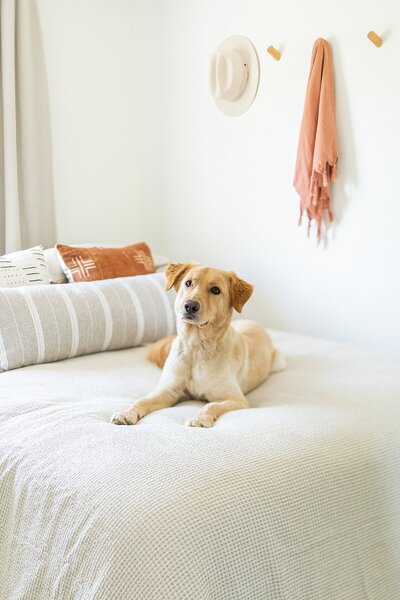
(92, 264)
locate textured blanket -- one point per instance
(297, 497)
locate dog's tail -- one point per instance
(278, 361)
(158, 352)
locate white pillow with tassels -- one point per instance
(26, 267)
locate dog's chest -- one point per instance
(204, 376)
(199, 378)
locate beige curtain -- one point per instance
(26, 185)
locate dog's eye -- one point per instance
(215, 290)
(188, 283)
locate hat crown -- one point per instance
(229, 75)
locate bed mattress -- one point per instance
(297, 497)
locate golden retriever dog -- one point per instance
(210, 359)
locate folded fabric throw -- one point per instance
(317, 153)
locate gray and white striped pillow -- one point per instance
(25, 267)
(48, 323)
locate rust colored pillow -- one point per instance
(91, 264)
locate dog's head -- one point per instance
(205, 295)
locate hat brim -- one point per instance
(246, 48)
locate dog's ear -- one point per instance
(240, 292)
(174, 273)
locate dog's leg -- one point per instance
(162, 398)
(213, 410)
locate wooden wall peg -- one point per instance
(274, 52)
(375, 39)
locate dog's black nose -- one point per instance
(191, 307)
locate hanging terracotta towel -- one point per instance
(317, 153)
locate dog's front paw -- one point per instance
(126, 417)
(203, 421)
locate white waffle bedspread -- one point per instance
(296, 498)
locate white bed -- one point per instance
(296, 498)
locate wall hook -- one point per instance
(375, 39)
(274, 52)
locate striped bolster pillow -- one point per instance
(46, 323)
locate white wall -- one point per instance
(105, 89)
(141, 152)
(228, 190)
